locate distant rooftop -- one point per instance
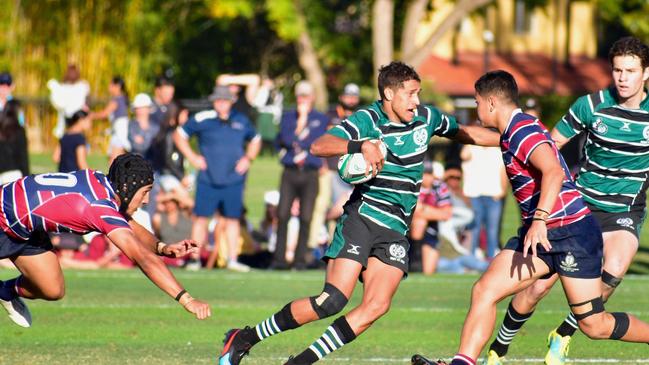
(533, 73)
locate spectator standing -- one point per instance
(223, 162)
(168, 162)
(298, 130)
(73, 148)
(348, 102)
(142, 130)
(6, 88)
(117, 113)
(68, 96)
(484, 181)
(163, 95)
(13, 144)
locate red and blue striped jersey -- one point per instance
(523, 134)
(78, 202)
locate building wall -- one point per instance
(544, 31)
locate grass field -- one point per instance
(118, 317)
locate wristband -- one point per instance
(180, 295)
(539, 219)
(354, 146)
(542, 210)
(159, 246)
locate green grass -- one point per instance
(118, 317)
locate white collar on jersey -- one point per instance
(511, 117)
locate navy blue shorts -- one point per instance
(576, 249)
(227, 200)
(431, 237)
(37, 244)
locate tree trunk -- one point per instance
(382, 38)
(414, 13)
(462, 8)
(308, 59)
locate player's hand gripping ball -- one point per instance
(351, 167)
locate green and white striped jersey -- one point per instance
(390, 198)
(615, 167)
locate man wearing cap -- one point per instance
(298, 129)
(6, 88)
(228, 144)
(142, 130)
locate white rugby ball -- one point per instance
(351, 167)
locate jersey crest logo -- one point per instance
(398, 141)
(568, 264)
(626, 127)
(645, 134)
(420, 137)
(599, 126)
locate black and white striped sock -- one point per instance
(511, 325)
(336, 336)
(278, 322)
(569, 326)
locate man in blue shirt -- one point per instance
(228, 144)
(298, 130)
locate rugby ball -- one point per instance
(351, 167)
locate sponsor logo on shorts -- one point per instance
(568, 264)
(625, 222)
(397, 253)
(354, 249)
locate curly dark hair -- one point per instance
(127, 174)
(630, 46)
(394, 74)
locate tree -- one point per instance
(415, 10)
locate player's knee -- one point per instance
(537, 291)
(620, 325)
(482, 291)
(589, 315)
(375, 308)
(54, 292)
(329, 302)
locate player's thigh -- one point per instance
(380, 282)
(526, 300)
(619, 249)
(343, 273)
(42, 270)
(509, 273)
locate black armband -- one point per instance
(180, 295)
(354, 146)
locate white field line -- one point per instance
(513, 360)
(270, 307)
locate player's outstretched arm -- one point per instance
(153, 267)
(477, 135)
(329, 145)
(151, 242)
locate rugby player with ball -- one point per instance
(387, 140)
